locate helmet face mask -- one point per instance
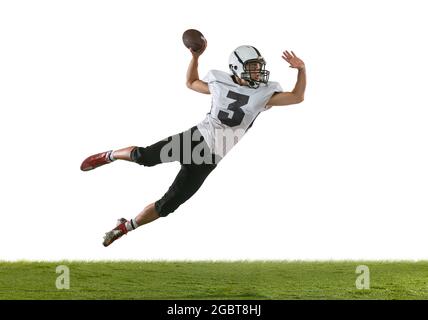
(247, 63)
(255, 73)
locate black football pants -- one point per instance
(192, 173)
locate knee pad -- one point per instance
(136, 154)
(144, 156)
(162, 209)
(140, 156)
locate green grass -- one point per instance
(214, 280)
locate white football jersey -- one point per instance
(233, 110)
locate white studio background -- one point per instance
(343, 175)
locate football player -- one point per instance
(238, 98)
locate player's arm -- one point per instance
(298, 93)
(192, 77)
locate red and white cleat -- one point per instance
(95, 161)
(116, 233)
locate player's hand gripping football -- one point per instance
(293, 60)
(196, 54)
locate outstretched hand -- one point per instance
(293, 60)
(196, 54)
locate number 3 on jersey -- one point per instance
(238, 114)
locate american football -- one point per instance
(193, 39)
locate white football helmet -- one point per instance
(239, 63)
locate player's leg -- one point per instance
(187, 182)
(166, 150)
(123, 154)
